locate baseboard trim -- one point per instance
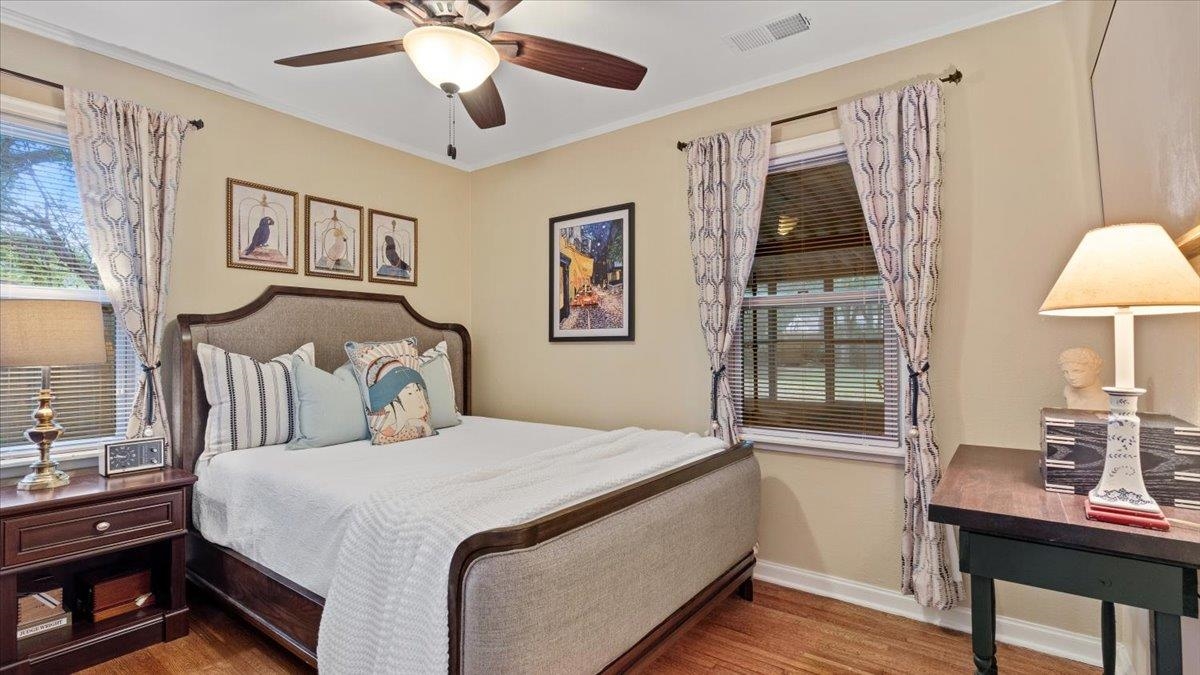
(1017, 632)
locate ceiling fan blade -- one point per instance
(483, 104)
(344, 54)
(572, 61)
(496, 9)
(411, 9)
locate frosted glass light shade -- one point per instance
(51, 333)
(1135, 266)
(454, 56)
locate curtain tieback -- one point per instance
(716, 378)
(914, 384)
(148, 371)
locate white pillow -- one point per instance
(439, 384)
(251, 403)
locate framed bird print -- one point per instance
(392, 248)
(260, 227)
(333, 238)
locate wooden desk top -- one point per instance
(999, 491)
(89, 486)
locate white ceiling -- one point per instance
(230, 46)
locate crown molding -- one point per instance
(29, 24)
(57, 33)
(875, 49)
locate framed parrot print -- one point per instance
(333, 238)
(260, 227)
(391, 248)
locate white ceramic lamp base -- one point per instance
(1121, 495)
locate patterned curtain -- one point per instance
(894, 143)
(726, 176)
(127, 165)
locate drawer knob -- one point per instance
(103, 526)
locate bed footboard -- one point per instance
(606, 592)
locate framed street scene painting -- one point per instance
(333, 238)
(392, 244)
(260, 227)
(591, 275)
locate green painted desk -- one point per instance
(1011, 529)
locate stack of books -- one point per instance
(39, 613)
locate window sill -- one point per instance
(821, 448)
(15, 463)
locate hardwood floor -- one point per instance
(782, 631)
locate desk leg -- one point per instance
(1108, 637)
(983, 624)
(1168, 645)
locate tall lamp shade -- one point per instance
(1134, 266)
(1124, 271)
(49, 333)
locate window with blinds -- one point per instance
(44, 254)
(818, 358)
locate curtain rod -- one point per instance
(952, 78)
(198, 124)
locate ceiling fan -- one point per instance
(456, 48)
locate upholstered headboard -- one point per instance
(279, 321)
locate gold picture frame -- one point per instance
(341, 235)
(261, 248)
(388, 261)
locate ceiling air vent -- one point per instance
(767, 33)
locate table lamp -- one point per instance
(1124, 271)
(45, 333)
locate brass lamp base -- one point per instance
(44, 473)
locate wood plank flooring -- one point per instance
(782, 631)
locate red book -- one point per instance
(1125, 517)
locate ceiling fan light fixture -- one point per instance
(451, 56)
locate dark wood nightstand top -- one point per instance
(999, 491)
(87, 487)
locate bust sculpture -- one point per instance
(1081, 369)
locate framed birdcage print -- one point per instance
(333, 238)
(260, 227)
(391, 248)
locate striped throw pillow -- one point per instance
(251, 403)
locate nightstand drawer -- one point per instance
(72, 530)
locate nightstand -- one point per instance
(95, 523)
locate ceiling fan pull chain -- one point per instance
(451, 151)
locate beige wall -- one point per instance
(246, 141)
(1148, 138)
(1020, 190)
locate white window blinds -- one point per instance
(818, 353)
(44, 254)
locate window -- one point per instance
(818, 364)
(44, 254)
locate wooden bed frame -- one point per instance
(291, 615)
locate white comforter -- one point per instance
(386, 609)
(288, 509)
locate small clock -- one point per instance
(139, 454)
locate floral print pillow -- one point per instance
(394, 393)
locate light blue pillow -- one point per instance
(330, 407)
(439, 390)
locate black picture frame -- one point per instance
(559, 299)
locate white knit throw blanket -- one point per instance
(386, 610)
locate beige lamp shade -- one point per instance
(1135, 266)
(51, 333)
